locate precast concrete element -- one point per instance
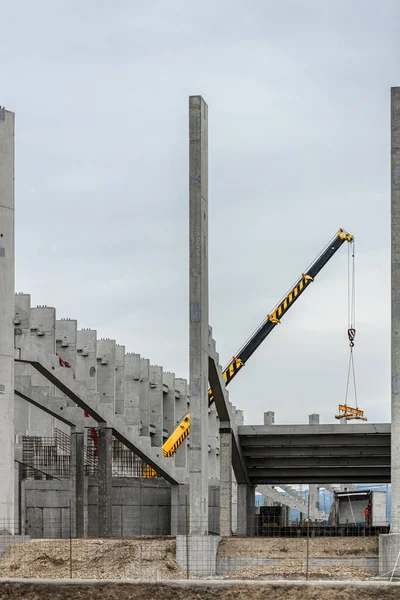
(105, 481)
(22, 305)
(198, 311)
(156, 404)
(201, 550)
(214, 425)
(213, 444)
(246, 513)
(395, 211)
(225, 498)
(389, 545)
(226, 416)
(144, 400)
(180, 509)
(86, 358)
(66, 340)
(79, 486)
(181, 409)
(313, 489)
(7, 319)
(101, 412)
(169, 399)
(106, 365)
(269, 417)
(132, 390)
(56, 407)
(119, 379)
(43, 334)
(287, 454)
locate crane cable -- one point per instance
(351, 318)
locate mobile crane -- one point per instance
(182, 430)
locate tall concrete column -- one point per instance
(78, 485)
(225, 495)
(313, 489)
(389, 545)
(7, 319)
(105, 482)
(395, 436)
(198, 310)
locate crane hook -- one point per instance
(352, 334)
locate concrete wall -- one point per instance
(139, 507)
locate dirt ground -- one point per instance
(263, 547)
(137, 558)
(162, 592)
(154, 558)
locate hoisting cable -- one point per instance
(351, 319)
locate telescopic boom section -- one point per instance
(238, 361)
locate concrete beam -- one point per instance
(227, 424)
(56, 407)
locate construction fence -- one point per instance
(302, 555)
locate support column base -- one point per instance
(202, 552)
(389, 555)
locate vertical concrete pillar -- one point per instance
(225, 495)
(198, 311)
(181, 409)
(246, 510)
(106, 371)
(7, 319)
(119, 379)
(132, 390)
(389, 545)
(269, 418)
(22, 332)
(395, 209)
(66, 345)
(86, 358)
(42, 333)
(66, 340)
(156, 404)
(105, 482)
(169, 402)
(313, 489)
(144, 397)
(78, 485)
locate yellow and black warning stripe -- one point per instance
(281, 309)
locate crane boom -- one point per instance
(181, 432)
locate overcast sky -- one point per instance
(299, 145)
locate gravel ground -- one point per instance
(162, 592)
(296, 569)
(262, 547)
(140, 558)
(153, 558)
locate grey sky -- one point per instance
(298, 95)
